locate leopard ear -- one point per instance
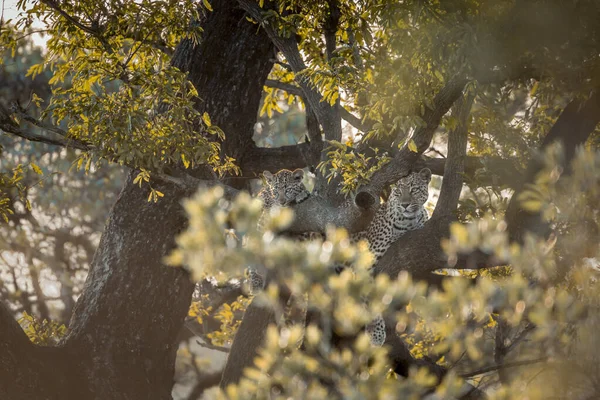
(298, 174)
(267, 175)
(425, 174)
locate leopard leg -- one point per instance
(254, 282)
(376, 331)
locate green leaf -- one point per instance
(207, 5)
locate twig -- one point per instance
(208, 345)
(492, 368)
(344, 113)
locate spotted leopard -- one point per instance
(282, 189)
(404, 211)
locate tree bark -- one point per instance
(572, 129)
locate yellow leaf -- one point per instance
(458, 231)
(533, 205)
(36, 169)
(206, 119)
(159, 194)
(534, 88)
(412, 146)
(186, 163)
(207, 5)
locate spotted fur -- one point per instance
(404, 211)
(254, 281)
(283, 189)
(376, 331)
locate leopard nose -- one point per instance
(405, 205)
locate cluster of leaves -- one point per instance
(391, 57)
(58, 216)
(113, 86)
(355, 168)
(228, 316)
(13, 182)
(508, 331)
(8, 182)
(45, 333)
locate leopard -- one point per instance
(282, 189)
(403, 211)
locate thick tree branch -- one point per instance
(497, 367)
(288, 46)
(24, 367)
(8, 125)
(259, 159)
(455, 163)
(344, 113)
(401, 165)
(490, 171)
(572, 129)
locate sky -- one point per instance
(10, 11)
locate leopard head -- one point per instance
(411, 192)
(286, 187)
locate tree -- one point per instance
(171, 91)
(55, 225)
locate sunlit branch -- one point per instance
(344, 113)
(53, 4)
(400, 165)
(455, 162)
(289, 48)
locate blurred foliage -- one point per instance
(523, 331)
(508, 332)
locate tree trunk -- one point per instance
(123, 334)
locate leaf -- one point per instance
(412, 146)
(207, 5)
(36, 169)
(532, 205)
(459, 232)
(206, 119)
(186, 163)
(534, 89)
(34, 70)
